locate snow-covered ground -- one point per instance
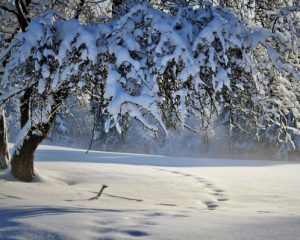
(150, 197)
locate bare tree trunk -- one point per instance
(22, 159)
(4, 153)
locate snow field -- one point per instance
(150, 197)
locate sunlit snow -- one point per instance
(150, 197)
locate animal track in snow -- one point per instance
(217, 194)
(211, 205)
(167, 204)
(135, 233)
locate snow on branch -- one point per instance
(151, 62)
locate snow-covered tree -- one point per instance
(154, 66)
(15, 15)
(282, 21)
(286, 22)
(14, 18)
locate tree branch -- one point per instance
(22, 21)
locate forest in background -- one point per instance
(218, 141)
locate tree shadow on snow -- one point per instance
(14, 221)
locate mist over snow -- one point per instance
(218, 141)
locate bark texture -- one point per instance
(22, 160)
(25, 107)
(4, 153)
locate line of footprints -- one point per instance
(218, 194)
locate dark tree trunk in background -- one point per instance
(4, 153)
(116, 4)
(22, 159)
(79, 9)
